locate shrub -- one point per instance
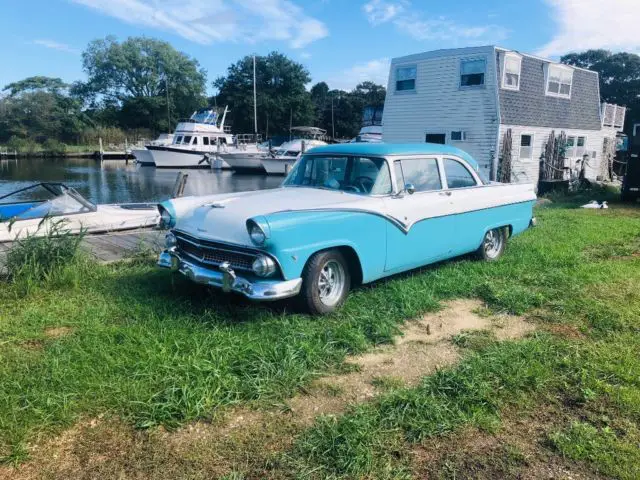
(54, 147)
(40, 255)
(23, 145)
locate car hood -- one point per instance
(223, 217)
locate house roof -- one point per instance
(389, 149)
(529, 106)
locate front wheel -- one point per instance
(493, 245)
(325, 282)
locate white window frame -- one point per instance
(463, 136)
(574, 149)
(395, 78)
(564, 68)
(533, 138)
(584, 147)
(514, 56)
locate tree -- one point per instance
(619, 78)
(40, 108)
(281, 94)
(135, 75)
(347, 106)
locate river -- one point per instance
(114, 181)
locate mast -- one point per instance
(255, 105)
(166, 87)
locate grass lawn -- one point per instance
(136, 345)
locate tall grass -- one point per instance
(40, 256)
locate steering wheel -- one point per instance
(364, 183)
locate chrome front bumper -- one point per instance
(228, 281)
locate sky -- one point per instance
(342, 42)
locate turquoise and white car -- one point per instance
(345, 215)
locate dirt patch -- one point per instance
(566, 331)
(57, 332)
(517, 450)
(249, 441)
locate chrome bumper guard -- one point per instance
(533, 222)
(229, 281)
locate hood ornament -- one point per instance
(217, 205)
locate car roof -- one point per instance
(387, 149)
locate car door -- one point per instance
(466, 215)
(420, 235)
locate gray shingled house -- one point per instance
(473, 97)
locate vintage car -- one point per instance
(345, 215)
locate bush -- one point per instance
(41, 255)
(23, 145)
(54, 147)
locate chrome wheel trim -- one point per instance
(331, 283)
(492, 244)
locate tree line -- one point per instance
(141, 87)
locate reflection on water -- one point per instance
(116, 182)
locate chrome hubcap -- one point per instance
(331, 283)
(493, 243)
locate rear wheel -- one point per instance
(325, 282)
(493, 245)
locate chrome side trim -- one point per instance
(229, 281)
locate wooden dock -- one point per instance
(115, 246)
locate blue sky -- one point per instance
(340, 41)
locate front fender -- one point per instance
(296, 236)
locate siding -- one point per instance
(527, 171)
(438, 105)
(530, 106)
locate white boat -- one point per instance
(36, 209)
(202, 142)
(369, 134)
(280, 160)
(143, 155)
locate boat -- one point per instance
(369, 134)
(143, 156)
(202, 142)
(280, 160)
(35, 210)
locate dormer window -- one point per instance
(512, 67)
(559, 80)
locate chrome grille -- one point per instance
(214, 253)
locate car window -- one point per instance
(422, 173)
(458, 176)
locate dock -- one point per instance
(114, 246)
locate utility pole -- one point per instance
(333, 126)
(255, 104)
(166, 87)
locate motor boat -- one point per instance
(369, 134)
(203, 142)
(35, 209)
(143, 155)
(280, 160)
(245, 155)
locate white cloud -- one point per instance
(585, 24)
(305, 55)
(413, 23)
(374, 71)
(379, 11)
(63, 47)
(211, 21)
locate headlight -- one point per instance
(257, 235)
(264, 266)
(170, 240)
(165, 219)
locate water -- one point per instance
(116, 182)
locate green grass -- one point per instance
(157, 350)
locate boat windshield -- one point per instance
(43, 200)
(362, 175)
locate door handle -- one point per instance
(447, 194)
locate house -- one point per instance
(501, 106)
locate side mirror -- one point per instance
(409, 188)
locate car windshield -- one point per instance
(362, 175)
